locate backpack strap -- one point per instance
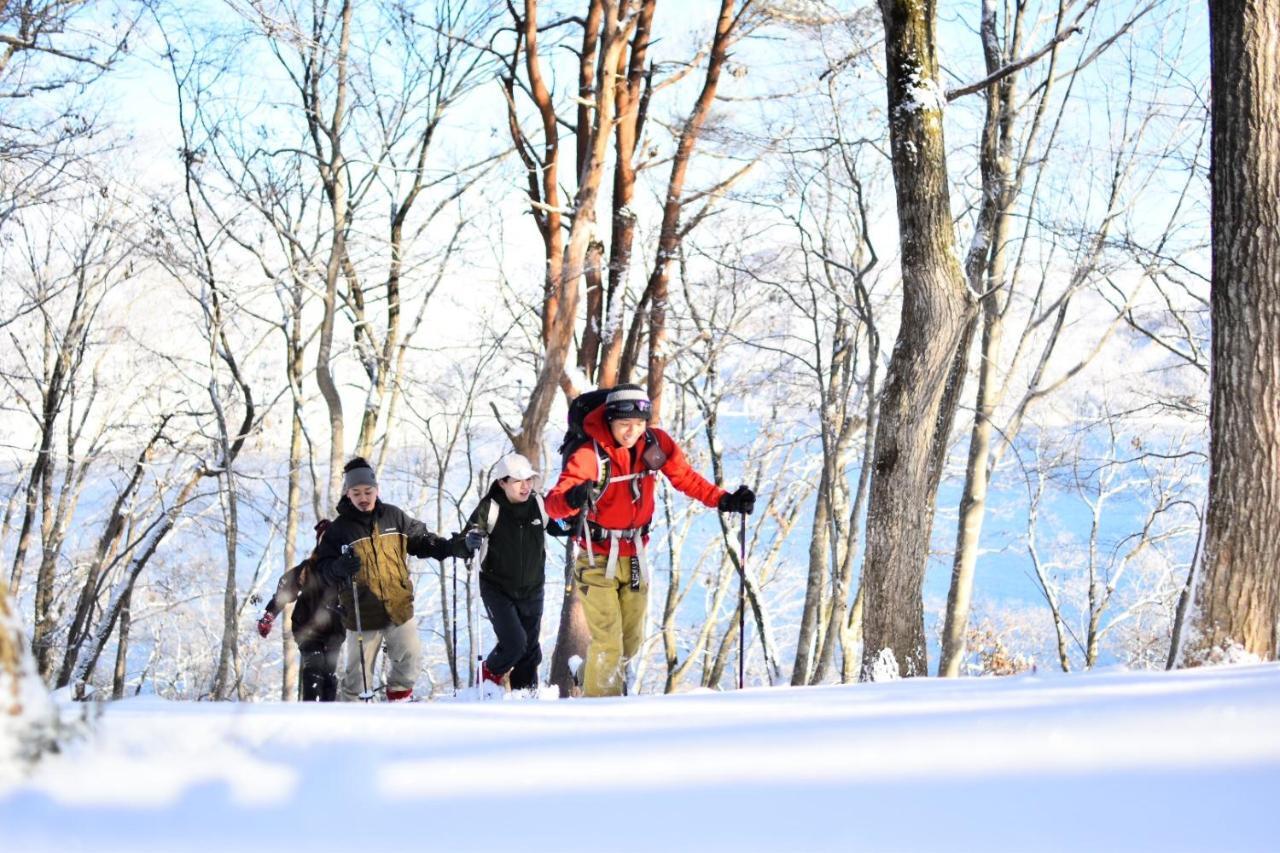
(491, 518)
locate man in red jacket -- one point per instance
(612, 475)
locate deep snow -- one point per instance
(1101, 761)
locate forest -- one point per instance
(932, 278)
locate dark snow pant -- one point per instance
(319, 675)
(517, 621)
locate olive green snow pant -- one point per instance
(615, 616)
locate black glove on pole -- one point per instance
(348, 564)
(579, 495)
(742, 600)
(741, 500)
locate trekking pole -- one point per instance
(584, 530)
(454, 648)
(367, 695)
(742, 599)
(473, 611)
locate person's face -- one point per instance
(627, 431)
(517, 491)
(364, 497)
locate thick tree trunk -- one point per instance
(1239, 597)
(935, 308)
(572, 636)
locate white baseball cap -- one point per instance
(515, 466)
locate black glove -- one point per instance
(743, 500)
(460, 547)
(577, 496)
(475, 538)
(347, 566)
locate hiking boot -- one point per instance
(405, 695)
(486, 674)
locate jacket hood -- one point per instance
(595, 426)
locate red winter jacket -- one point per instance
(616, 509)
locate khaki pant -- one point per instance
(615, 616)
(404, 656)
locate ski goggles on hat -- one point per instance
(638, 408)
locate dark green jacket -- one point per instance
(516, 558)
(382, 539)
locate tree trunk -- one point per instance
(122, 648)
(671, 234)
(223, 679)
(108, 543)
(819, 561)
(563, 288)
(333, 174)
(290, 664)
(572, 636)
(90, 651)
(935, 308)
(1239, 597)
(630, 125)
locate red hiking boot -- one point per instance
(486, 674)
(399, 695)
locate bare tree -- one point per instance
(1239, 596)
(49, 59)
(71, 268)
(935, 309)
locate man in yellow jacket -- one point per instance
(367, 543)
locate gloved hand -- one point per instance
(265, 623)
(742, 500)
(577, 496)
(460, 546)
(475, 539)
(348, 565)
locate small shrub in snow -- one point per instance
(28, 720)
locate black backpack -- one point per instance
(574, 434)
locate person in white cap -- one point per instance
(507, 528)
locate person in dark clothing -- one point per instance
(363, 556)
(316, 623)
(507, 528)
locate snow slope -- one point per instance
(1101, 761)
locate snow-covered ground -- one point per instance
(1102, 761)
